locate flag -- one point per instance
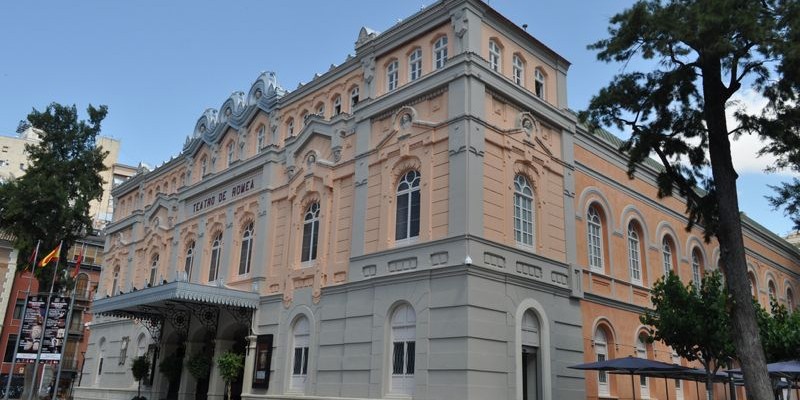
(78, 262)
(53, 255)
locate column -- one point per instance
(249, 363)
(216, 386)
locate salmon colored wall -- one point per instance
(507, 50)
(401, 54)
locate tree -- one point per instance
(780, 332)
(694, 323)
(51, 201)
(700, 53)
(140, 369)
(230, 365)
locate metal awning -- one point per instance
(175, 292)
(174, 302)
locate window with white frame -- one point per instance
(594, 229)
(753, 286)
(676, 359)
(518, 70)
(230, 153)
(634, 254)
(523, 211)
(666, 254)
(216, 253)
(188, 261)
(203, 166)
(310, 233)
(290, 127)
(392, 76)
(696, 266)
(403, 340)
(773, 293)
(408, 204)
(353, 98)
(641, 352)
(601, 351)
(260, 139)
(301, 335)
(337, 105)
(415, 64)
(321, 110)
(538, 87)
(246, 253)
(494, 56)
(440, 52)
(153, 270)
(789, 299)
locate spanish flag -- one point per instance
(53, 255)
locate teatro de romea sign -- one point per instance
(227, 193)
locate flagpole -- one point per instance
(67, 323)
(22, 319)
(44, 327)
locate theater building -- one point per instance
(417, 222)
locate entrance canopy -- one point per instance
(175, 302)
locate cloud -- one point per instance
(744, 150)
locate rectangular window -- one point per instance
(212, 271)
(300, 364)
(392, 76)
(12, 343)
(18, 308)
(602, 376)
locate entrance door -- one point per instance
(530, 373)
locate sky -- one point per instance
(158, 64)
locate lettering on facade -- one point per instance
(223, 195)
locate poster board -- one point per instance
(263, 362)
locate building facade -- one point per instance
(426, 220)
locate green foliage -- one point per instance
(199, 365)
(51, 201)
(140, 369)
(780, 332)
(695, 323)
(230, 365)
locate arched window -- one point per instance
(247, 250)
(230, 153)
(539, 86)
(216, 253)
(101, 351)
(415, 64)
(594, 229)
(697, 269)
(753, 287)
(531, 369)
(310, 233)
(115, 281)
(321, 109)
(392, 76)
(260, 143)
(518, 70)
(82, 286)
(408, 200)
(494, 56)
(403, 340)
(641, 352)
(337, 105)
(290, 127)
(634, 254)
(789, 299)
(153, 270)
(601, 351)
(203, 166)
(301, 335)
(440, 52)
(353, 98)
(667, 251)
(303, 118)
(523, 211)
(189, 260)
(773, 292)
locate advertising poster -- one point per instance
(263, 362)
(47, 333)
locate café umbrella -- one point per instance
(785, 369)
(630, 366)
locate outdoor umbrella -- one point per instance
(684, 373)
(785, 369)
(630, 366)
